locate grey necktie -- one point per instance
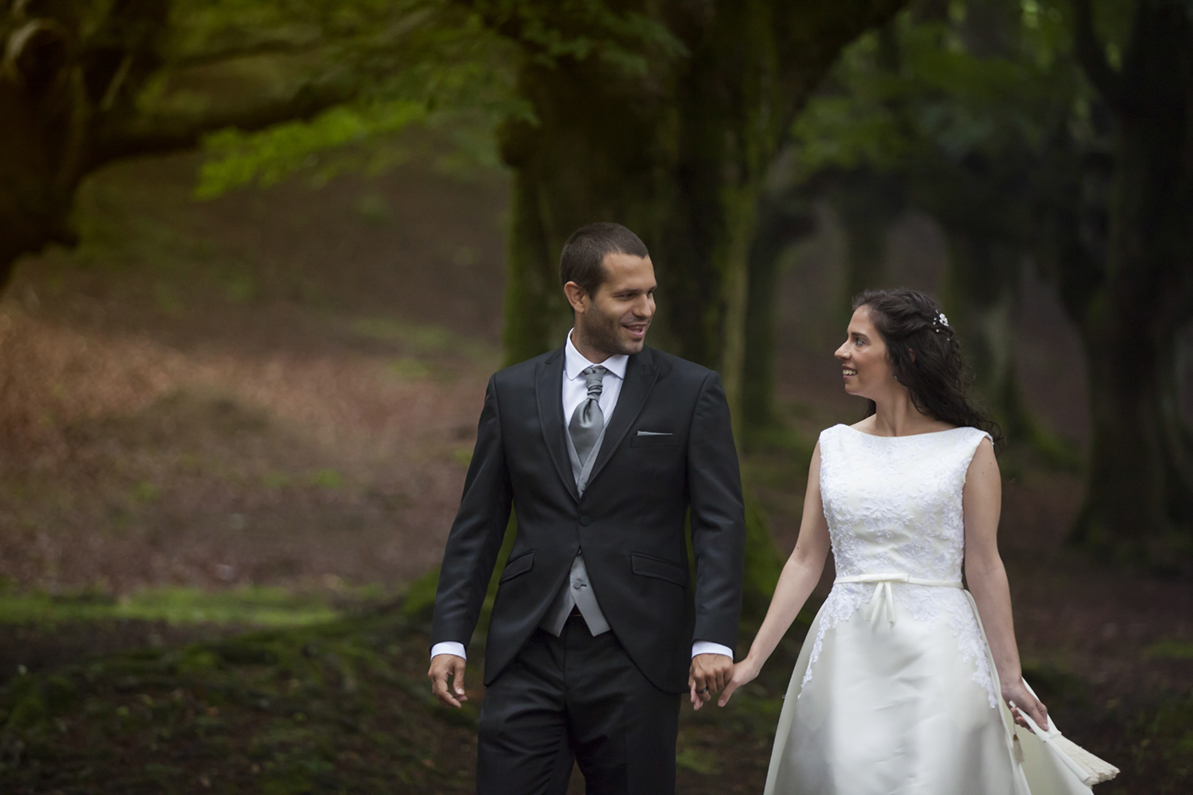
(588, 420)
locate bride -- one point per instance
(897, 688)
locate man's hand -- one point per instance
(444, 667)
(709, 675)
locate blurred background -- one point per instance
(260, 257)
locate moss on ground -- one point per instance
(344, 707)
(262, 606)
(338, 707)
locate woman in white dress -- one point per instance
(897, 689)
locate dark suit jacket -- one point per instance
(629, 522)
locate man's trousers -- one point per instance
(576, 698)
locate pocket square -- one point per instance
(654, 433)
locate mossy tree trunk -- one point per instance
(1131, 305)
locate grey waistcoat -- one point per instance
(577, 590)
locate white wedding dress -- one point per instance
(894, 691)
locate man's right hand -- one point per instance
(446, 667)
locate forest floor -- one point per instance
(233, 432)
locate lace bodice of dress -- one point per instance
(894, 506)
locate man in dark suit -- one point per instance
(601, 447)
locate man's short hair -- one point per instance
(585, 251)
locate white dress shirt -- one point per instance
(575, 391)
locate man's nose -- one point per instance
(644, 308)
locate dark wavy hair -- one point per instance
(925, 356)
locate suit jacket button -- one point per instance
(584, 520)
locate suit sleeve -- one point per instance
(476, 534)
(718, 516)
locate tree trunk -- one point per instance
(783, 220)
(868, 205)
(598, 155)
(1139, 499)
(1139, 484)
(42, 114)
(982, 295)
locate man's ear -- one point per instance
(577, 296)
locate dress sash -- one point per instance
(884, 599)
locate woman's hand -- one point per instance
(1018, 697)
(744, 672)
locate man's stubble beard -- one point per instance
(602, 334)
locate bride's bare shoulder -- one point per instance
(866, 425)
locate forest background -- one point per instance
(260, 256)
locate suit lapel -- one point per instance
(549, 394)
(640, 376)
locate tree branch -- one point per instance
(1092, 55)
(814, 48)
(158, 133)
(265, 47)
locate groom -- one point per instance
(602, 447)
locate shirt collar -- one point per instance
(575, 363)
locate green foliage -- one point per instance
(419, 339)
(924, 93)
(696, 761)
(248, 605)
(582, 29)
(237, 159)
(411, 64)
(415, 63)
(1170, 649)
(328, 479)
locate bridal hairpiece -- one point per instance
(940, 320)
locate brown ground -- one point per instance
(274, 389)
(281, 388)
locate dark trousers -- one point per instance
(576, 698)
